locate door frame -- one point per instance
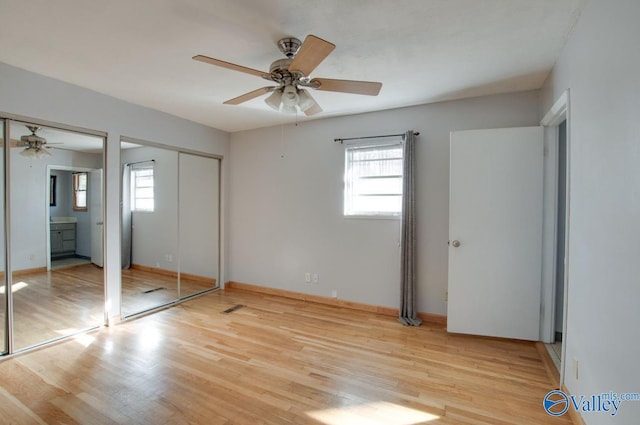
(47, 202)
(559, 112)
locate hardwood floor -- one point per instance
(275, 361)
(48, 305)
(144, 289)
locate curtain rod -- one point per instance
(140, 162)
(417, 133)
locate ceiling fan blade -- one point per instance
(369, 88)
(248, 96)
(13, 142)
(313, 51)
(313, 110)
(229, 65)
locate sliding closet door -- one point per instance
(56, 289)
(3, 282)
(199, 223)
(149, 227)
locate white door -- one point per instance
(97, 221)
(495, 232)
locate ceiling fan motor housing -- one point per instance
(289, 46)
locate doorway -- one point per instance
(75, 231)
(556, 234)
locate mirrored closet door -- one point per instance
(56, 232)
(170, 225)
(199, 223)
(149, 227)
(3, 285)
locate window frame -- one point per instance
(135, 170)
(75, 189)
(348, 195)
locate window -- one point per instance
(373, 180)
(79, 191)
(142, 187)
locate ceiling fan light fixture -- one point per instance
(305, 101)
(28, 152)
(35, 152)
(42, 153)
(274, 100)
(289, 96)
(289, 109)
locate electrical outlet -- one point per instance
(170, 258)
(446, 295)
(315, 278)
(32, 257)
(575, 368)
(307, 277)
(334, 293)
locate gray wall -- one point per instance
(286, 202)
(601, 66)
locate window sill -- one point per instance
(374, 217)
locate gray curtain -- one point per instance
(408, 312)
(126, 216)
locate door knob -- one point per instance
(455, 243)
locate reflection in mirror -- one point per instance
(199, 179)
(56, 235)
(3, 316)
(149, 227)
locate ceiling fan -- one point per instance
(292, 74)
(34, 144)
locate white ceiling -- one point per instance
(421, 50)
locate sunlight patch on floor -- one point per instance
(14, 287)
(83, 339)
(376, 413)
(149, 339)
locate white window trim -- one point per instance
(138, 167)
(363, 144)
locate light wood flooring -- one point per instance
(275, 361)
(48, 305)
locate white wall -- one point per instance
(32, 95)
(601, 66)
(286, 202)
